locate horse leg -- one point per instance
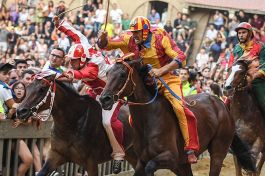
(92, 168)
(183, 170)
(164, 160)
(237, 167)
(53, 160)
(139, 169)
(261, 162)
(218, 152)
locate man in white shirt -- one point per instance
(211, 33)
(202, 59)
(99, 18)
(116, 14)
(64, 42)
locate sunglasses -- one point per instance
(57, 56)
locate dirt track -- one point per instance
(202, 168)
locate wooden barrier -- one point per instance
(9, 147)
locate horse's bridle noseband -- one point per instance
(51, 91)
(116, 97)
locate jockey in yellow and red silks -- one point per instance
(157, 48)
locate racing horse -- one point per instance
(158, 141)
(77, 135)
(248, 118)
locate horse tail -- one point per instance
(243, 154)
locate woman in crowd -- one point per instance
(19, 90)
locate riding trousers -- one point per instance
(114, 129)
(186, 119)
(258, 88)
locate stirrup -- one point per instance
(116, 166)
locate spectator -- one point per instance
(2, 115)
(168, 27)
(23, 15)
(56, 60)
(87, 9)
(164, 18)
(116, 14)
(99, 18)
(211, 33)
(12, 38)
(242, 17)
(21, 65)
(154, 16)
(60, 9)
(187, 89)
(176, 25)
(125, 21)
(232, 38)
(184, 46)
(3, 37)
(64, 42)
(218, 20)
(5, 92)
(256, 22)
(202, 59)
(19, 90)
(26, 77)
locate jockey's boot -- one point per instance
(192, 159)
(116, 166)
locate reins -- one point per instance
(116, 97)
(51, 91)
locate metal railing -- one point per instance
(9, 150)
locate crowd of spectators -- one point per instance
(215, 56)
(27, 36)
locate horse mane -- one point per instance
(68, 88)
(147, 80)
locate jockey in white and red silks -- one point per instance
(91, 67)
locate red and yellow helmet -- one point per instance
(77, 51)
(140, 23)
(247, 26)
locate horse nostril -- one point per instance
(22, 112)
(228, 87)
(105, 99)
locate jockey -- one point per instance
(255, 52)
(91, 67)
(156, 47)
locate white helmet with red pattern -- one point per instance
(78, 51)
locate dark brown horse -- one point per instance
(249, 122)
(158, 141)
(78, 134)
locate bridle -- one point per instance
(116, 97)
(51, 92)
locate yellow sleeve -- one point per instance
(168, 48)
(172, 50)
(122, 43)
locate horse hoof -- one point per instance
(150, 168)
(116, 167)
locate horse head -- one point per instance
(120, 81)
(39, 96)
(237, 77)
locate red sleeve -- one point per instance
(90, 72)
(231, 60)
